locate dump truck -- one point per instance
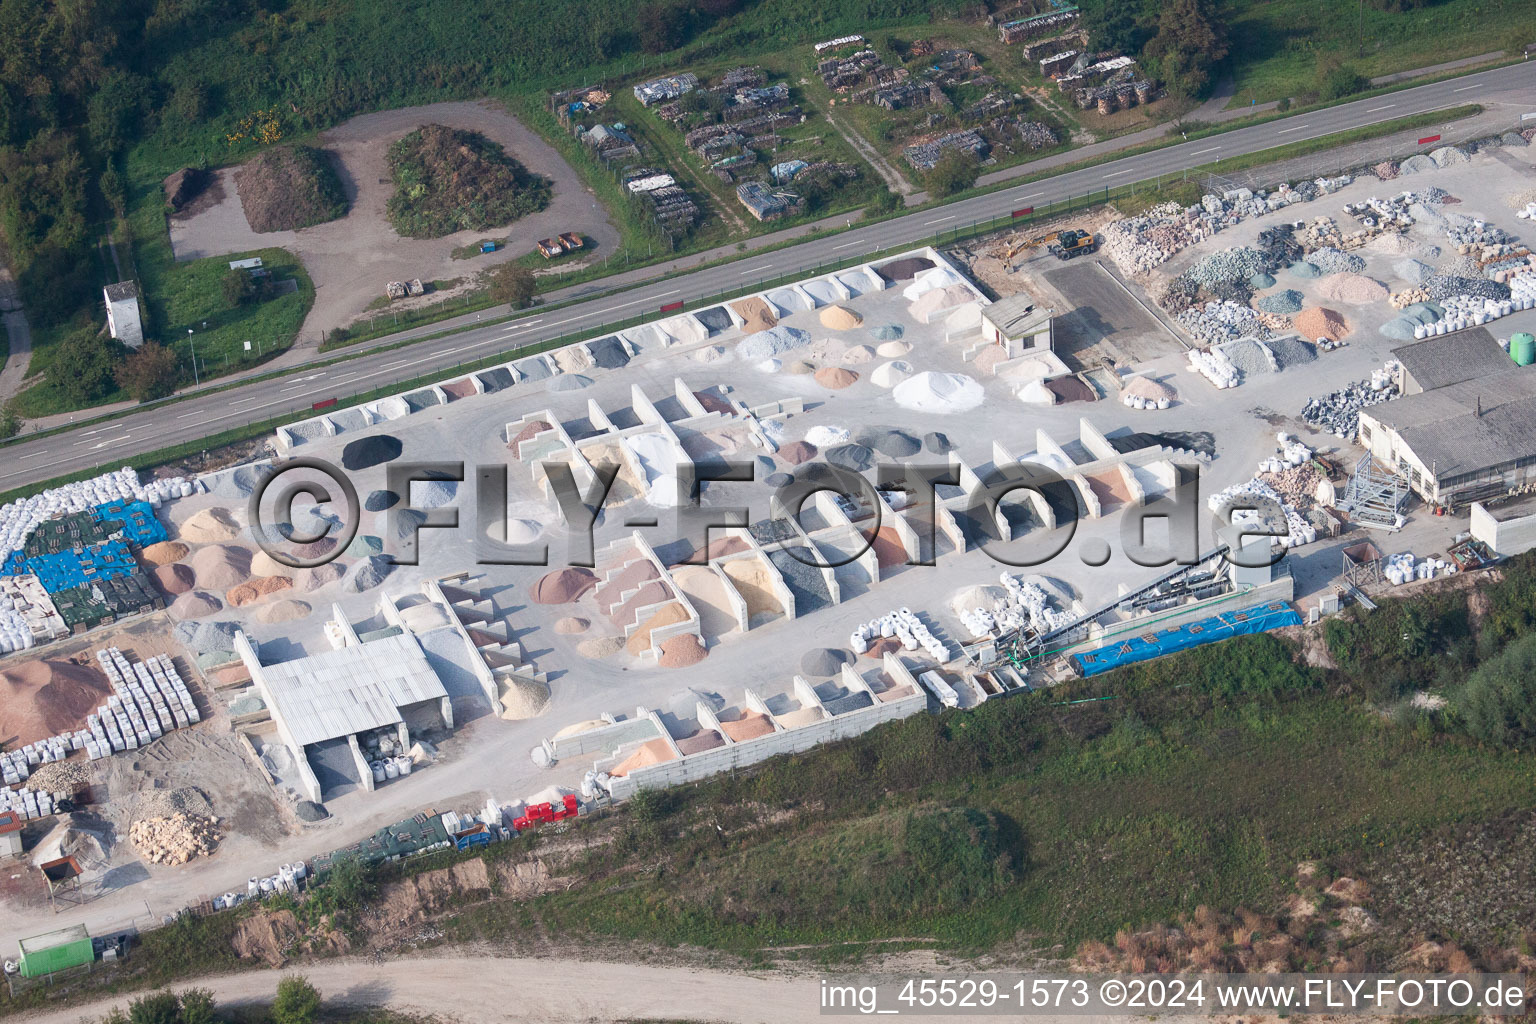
(545, 813)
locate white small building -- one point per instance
(123, 313)
(1014, 323)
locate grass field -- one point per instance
(1278, 46)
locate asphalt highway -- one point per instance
(109, 444)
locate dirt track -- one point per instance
(467, 988)
(351, 259)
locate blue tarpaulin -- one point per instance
(1258, 619)
(68, 569)
(140, 525)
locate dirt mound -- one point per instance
(175, 579)
(283, 611)
(835, 378)
(1319, 322)
(184, 186)
(195, 604)
(264, 936)
(289, 187)
(39, 699)
(210, 526)
(797, 452)
(164, 553)
(563, 585)
(681, 651)
(222, 566)
(250, 593)
(448, 179)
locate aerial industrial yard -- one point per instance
(1235, 416)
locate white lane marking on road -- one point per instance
(110, 441)
(189, 415)
(34, 455)
(1032, 195)
(1475, 85)
(753, 270)
(845, 245)
(1199, 151)
(521, 325)
(1285, 130)
(941, 220)
(1389, 106)
(1116, 174)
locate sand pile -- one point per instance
(1355, 289)
(210, 526)
(283, 611)
(756, 315)
(889, 375)
(654, 752)
(800, 368)
(939, 393)
(749, 726)
(1147, 388)
(434, 493)
(706, 591)
(563, 585)
(826, 436)
(858, 355)
(754, 583)
(1318, 322)
(894, 349)
(573, 359)
(306, 581)
(221, 566)
(571, 625)
(600, 647)
(250, 593)
(889, 550)
(772, 342)
(577, 728)
(164, 553)
(835, 378)
(681, 651)
(840, 318)
(640, 640)
(704, 739)
(878, 647)
(175, 579)
(933, 302)
(797, 452)
(374, 450)
(523, 699)
(39, 699)
(195, 604)
(263, 564)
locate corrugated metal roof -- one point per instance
(1448, 435)
(351, 690)
(1452, 358)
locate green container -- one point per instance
(56, 951)
(1522, 348)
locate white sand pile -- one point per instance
(858, 355)
(283, 611)
(888, 375)
(840, 318)
(210, 526)
(826, 436)
(940, 393)
(523, 531)
(768, 366)
(894, 349)
(1036, 393)
(1146, 387)
(263, 564)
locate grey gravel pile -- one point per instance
(1329, 260)
(1216, 322)
(1258, 282)
(856, 457)
(378, 501)
(716, 318)
(1513, 139)
(779, 479)
(434, 493)
(426, 398)
(1232, 291)
(1443, 286)
(1285, 303)
(1448, 156)
(1416, 164)
(308, 810)
(366, 452)
(898, 444)
(1303, 269)
(308, 430)
(1398, 329)
(207, 637)
(1291, 351)
(1338, 413)
(824, 661)
(887, 332)
(534, 369)
(608, 353)
(1414, 272)
(1230, 265)
(498, 379)
(1249, 357)
(365, 545)
(570, 382)
(367, 574)
(1423, 312)
(804, 581)
(408, 520)
(774, 341)
(241, 482)
(938, 443)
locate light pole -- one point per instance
(192, 344)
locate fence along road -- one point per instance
(1506, 91)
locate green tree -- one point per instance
(197, 1007)
(1191, 40)
(297, 1002)
(112, 190)
(886, 201)
(513, 284)
(85, 366)
(1498, 703)
(663, 26)
(237, 286)
(956, 171)
(155, 1008)
(10, 423)
(350, 883)
(149, 373)
(1116, 25)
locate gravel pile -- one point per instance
(1216, 322)
(716, 318)
(938, 443)
(1413, 272)
(1329, 260)
(1513, 139)
(1303, 269)
(1338, 413)
(1230, 265)
(1416, 164)
(824, 661)
(570, 382)
(1355, 289)
(608, 353)
(1290, 352)
(367, 574)
(1443, 286)
(887, 332)
(1258, 282)
(1448, 156)
(1249, 357)
(434, 493)
(1386, 170)
(898, 444)
(805, 582)
(856, 457)
(207, 637)
(378, 501)
(1286, 302)
(375, 450)
(772, 342)
(1398, 329)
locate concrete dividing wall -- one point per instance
(364, 772)
(644, 408)
(598, 416)
(1132, 485)
(1085, 494)
(604, 740)
(1094, 440)
(733, 598)
(1051, 452)
(687, 399)
(740, 755)
(306, 776)
(1506, 537)
(482, 671)
(344, 625)
(949, 526)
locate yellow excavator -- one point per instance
(1066, 244)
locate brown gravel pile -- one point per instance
(195, 604)
(255, 590)
(563, 585)
(530, 430)
(175, 579)
(836, 378)
(1319, 322)
(164, 553)
(797, 452)
(681, 651)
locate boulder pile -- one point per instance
(175, 839)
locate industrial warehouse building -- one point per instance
(326, 704)
(1465, 428)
